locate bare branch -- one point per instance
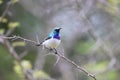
(6, 9)
(18, 37)
(73, 63)
(58, 54)
(11, 50)
(78, 67)
(9, 32)
(15, 55)
(23, 54)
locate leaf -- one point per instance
(3, 20)
(17, 68)
(18, 43)
(1, 2)
(41, 75)
(13, 24)
(15, 1)
(26, 64)
(2, 31)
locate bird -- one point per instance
(53, 40)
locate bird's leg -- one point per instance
(58, 58)
(54, 50)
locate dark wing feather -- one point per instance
(47, 38)
(43, 41)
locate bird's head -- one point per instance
(55, 32)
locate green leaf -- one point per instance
(1, 2)
(2, 31)
(13, 24)
(41, 75)
(15, 1)
(18, 43)
(3, 20)
(26, 64)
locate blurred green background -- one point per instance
(90, 37)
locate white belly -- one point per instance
(51, 43)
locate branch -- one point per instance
(23, 54)
(11, 50)
(56, 53)
(18, 37)
(73, 63)
(9, 3)
(15, 56)
(13, 53)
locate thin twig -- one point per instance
(11, 50)
(18, 37)
(23, 54)
(9, 32)
(6, 9)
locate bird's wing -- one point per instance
(44, 40)
(47, 38)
